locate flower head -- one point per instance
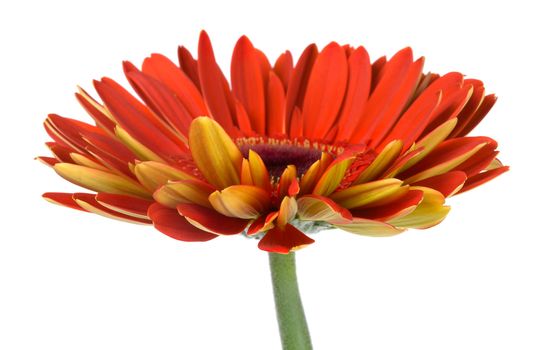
(335, 140)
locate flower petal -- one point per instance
(483, 177)
(401, 206)
(332, 177)
(372, 228)
(382, 161)
(88, 202)
(211, 221)
(263, 223)
(153, 175)
(284, 240)
(367, 193)
(215, 154)
(127, 205)
(318, 208)
(169, 222)
(259, 172)
(287, 211)
(241, 201)
(447, 184)
(63, 199)
(100, 181)
(430, 212)
(184, 191)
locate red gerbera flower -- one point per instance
(335, 140)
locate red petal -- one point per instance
(298, 81)
(169, 222)
(447, 184)
(481, 112)
(128, 204)
(209, 220)
(481, 178)
(479, 161)
(276, 107)
(393, 76)
(189, 65)
(325, 91)
(248, 83)
(397, 208)
(65, 199)
(162, 69)
(214, 86)
(471, 106)
(284, 241)
(100, 119)
(359, 83)
(296, 124)
(377, 70)
(283, 68)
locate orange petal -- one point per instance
(318, 208)
(287, 211)
(259, 172)
(283, 68)
(288, 179)
(284, 240)
(63, 199)
(211, 221)
(215, 154)
(483, 177)
(275, 118)
(401, 206)
(171, 223)
(263, 223)
(241, 201)
(332, 177)
(381, 163)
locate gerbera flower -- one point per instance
(335, 141)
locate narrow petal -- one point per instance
(211, 221)
(241, 201)
(88, 202)
(275, 110)
(142, 152)
(483, 177)
(318, 208)
(381, 163)
(171, 223)
(287, 211)
(284, 240)
(100, 181)
(288, 179)
(215, 154)
(283, 68)
(332, 177)
(189, 65)
(372, 228)
(127, 205)
(263, 223)
(259, 172)
(63, 199)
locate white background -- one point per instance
(71, 280)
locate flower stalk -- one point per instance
(290, 315)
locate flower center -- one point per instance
(277, 154)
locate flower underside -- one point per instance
(332, 141)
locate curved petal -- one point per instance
(127, 205)
(215, 154)
(318, 208)
(366, 227)
(284, 240)
(211, 221)
(169, 222)
(241, 201)
(153, 175)
(88, 202)
(367, 193)
(184, 191)
(430, 212)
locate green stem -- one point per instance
(290, 315)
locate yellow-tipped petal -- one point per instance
(142, 152)
(370, 228)
(215, 154)
(259, 172)
(85, 161)
(382, 161)
(93, 207)
(431, 211)
(318, 208)
(287, 211)
(153, 175)
(308, 180)
(288, 176)
(445, 166)
(241, 201)
(362, 195)
(100, 181)
(184, 191)
(333, 176)
(429, 142)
